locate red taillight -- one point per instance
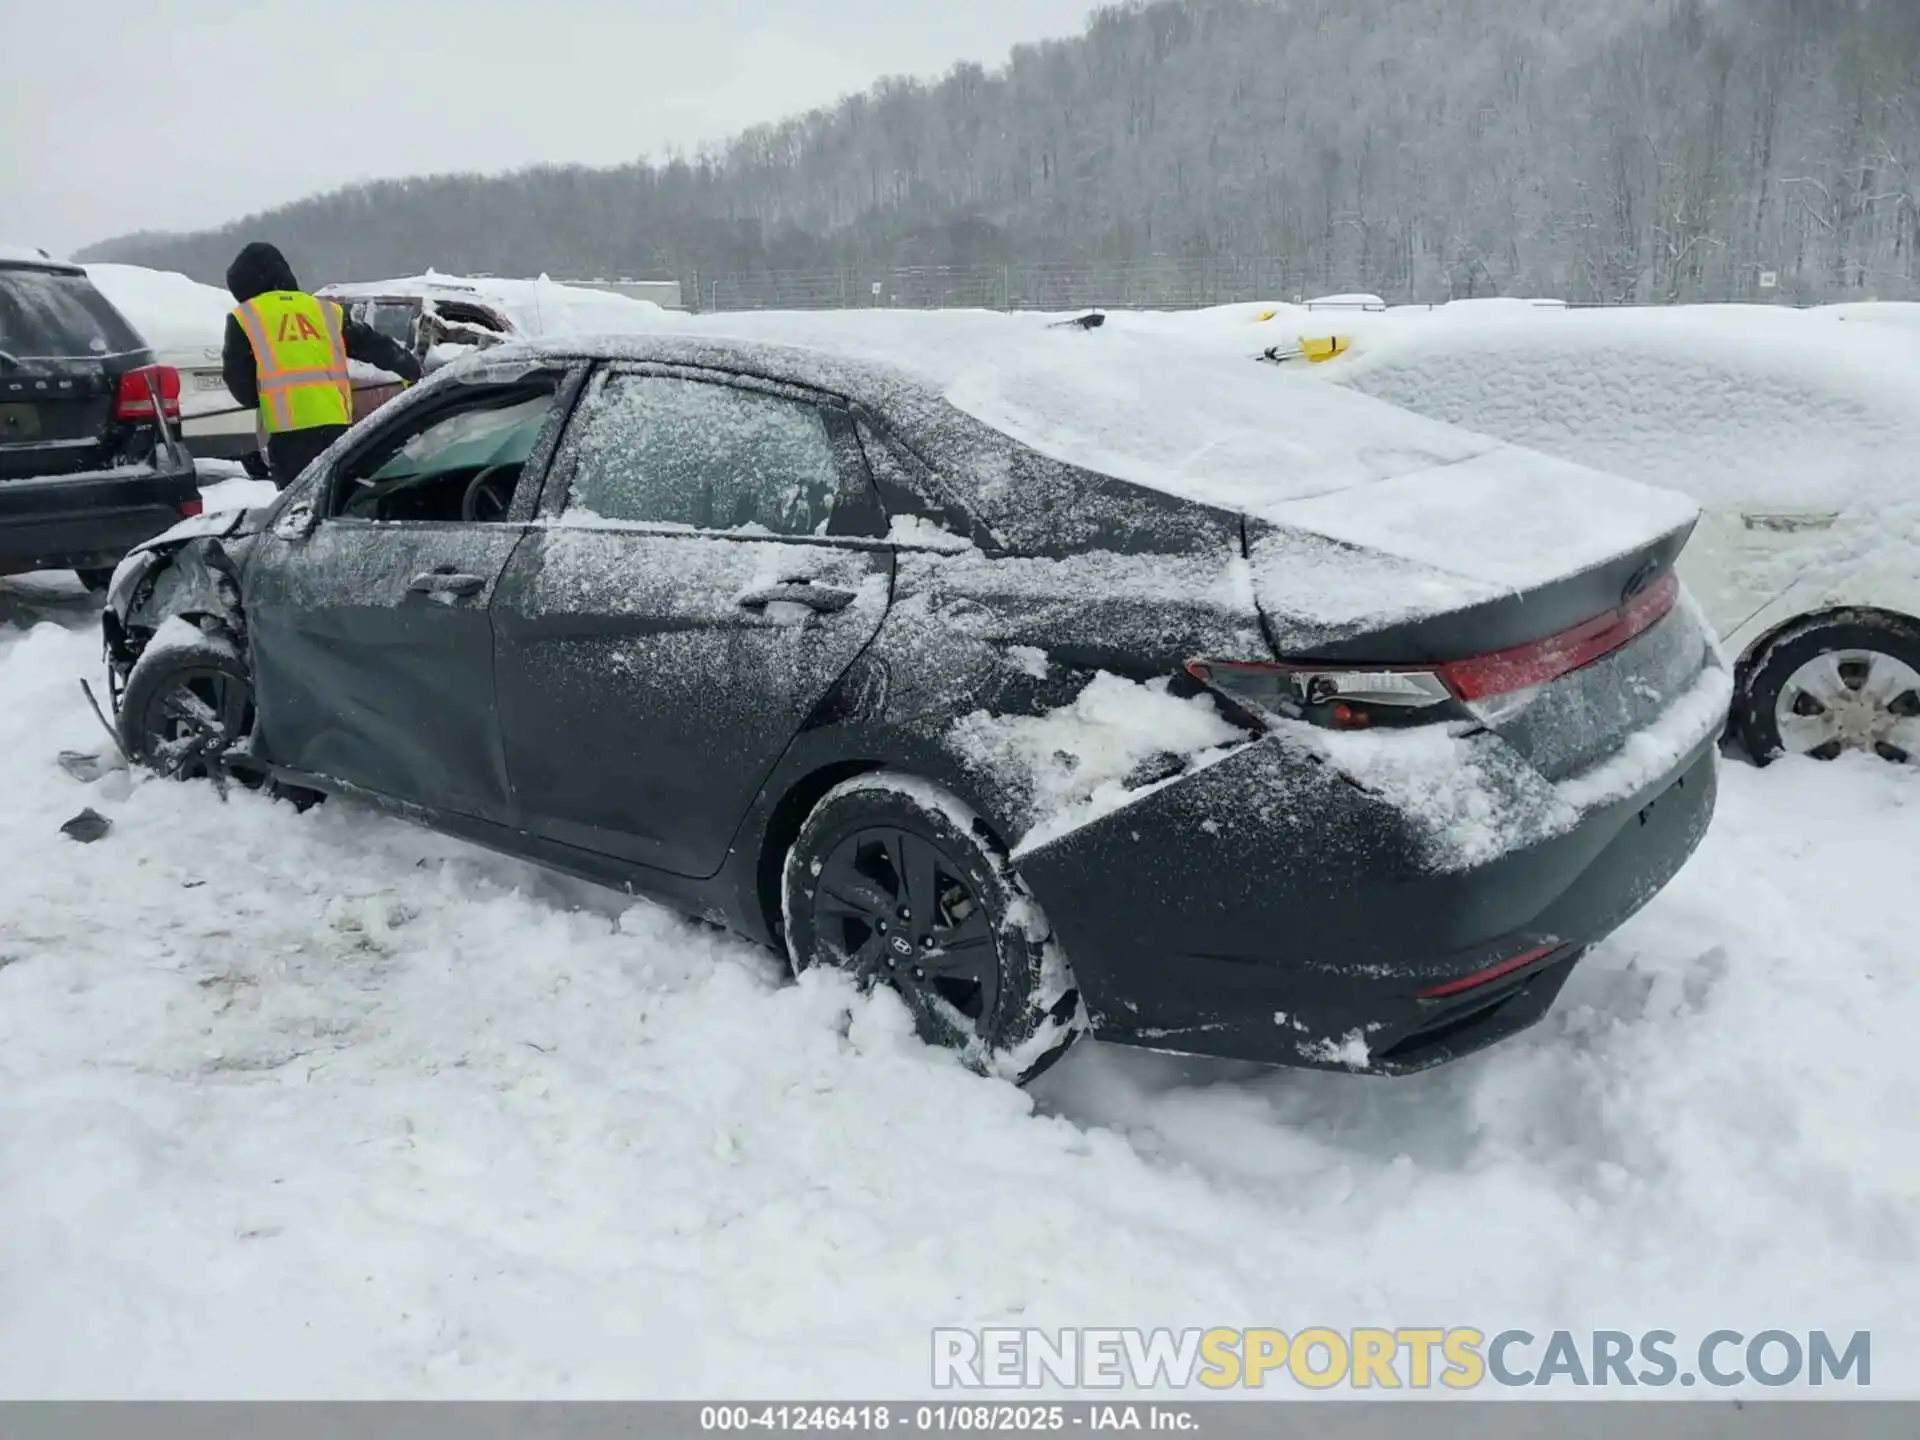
(191, 508)
(1355, 697)
(1488, 975)
(138, 387)
(1505, 671)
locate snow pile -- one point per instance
(1084, 760)
(1466, 799)
(313, 1105)
(233, 492)
(1905, 314)
(170, 311)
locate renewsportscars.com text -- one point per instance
(1402, 1358)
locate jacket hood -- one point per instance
(258, 269)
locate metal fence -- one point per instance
(1050, 285)
(1164, 283)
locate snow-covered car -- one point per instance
(183, 322)
(441, 317)
(1800, 438)
(1042, 674)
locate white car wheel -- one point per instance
(1833, 685)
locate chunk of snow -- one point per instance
(1351, 1050)
(924, 534)
(1074, 761)
(178, 633)
(1030, 659)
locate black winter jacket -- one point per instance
(259, 269)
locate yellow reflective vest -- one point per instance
(300, 358)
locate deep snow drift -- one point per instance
(320, 1104)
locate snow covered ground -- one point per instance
(323, 1105)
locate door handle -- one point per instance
(447, 581)
(824, 599)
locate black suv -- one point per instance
(90, 460)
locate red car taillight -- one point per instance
(191, 508)
(1359, 697)
(137, 391)
(1488, 975)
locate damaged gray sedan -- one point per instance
(876, 659)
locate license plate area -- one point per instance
(19, 422)
(209, 381)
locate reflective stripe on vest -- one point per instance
(300, 358)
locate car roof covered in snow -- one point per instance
(535, 308)
(11, 254)
(1202, 421)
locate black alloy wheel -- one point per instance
(893, 906)
(189, 725)
(185, 707)
(897, 883)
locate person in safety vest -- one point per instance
(286, 352)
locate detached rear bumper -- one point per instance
(88, 521)
(1267, 910)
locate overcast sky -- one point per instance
(120, 115)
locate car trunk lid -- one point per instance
(55, 416)
(1548, 618)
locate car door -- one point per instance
(709, 561)
(368, 600)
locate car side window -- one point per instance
(449, 465)
(663, 450)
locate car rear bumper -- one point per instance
(88, 521)
(221, 444)
(1300, 929)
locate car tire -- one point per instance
(184, 704)
(978, 968)
(1785, 678)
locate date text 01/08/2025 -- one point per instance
(977, 1419)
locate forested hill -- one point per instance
(1597, 149)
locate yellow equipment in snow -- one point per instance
(1314, 349)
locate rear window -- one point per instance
(53, 314)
